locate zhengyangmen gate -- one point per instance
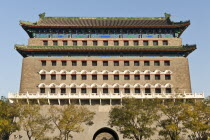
(96, 61)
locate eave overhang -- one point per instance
(24, 50)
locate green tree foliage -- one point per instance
(207, 100)
(70, 119)
(33, 122)
(172, 119)
(8, 115)
(134, 119)
(197, 120)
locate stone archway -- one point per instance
(105, 133)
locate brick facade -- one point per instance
(32, 66)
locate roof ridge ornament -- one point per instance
(42, 15)
(167, 15)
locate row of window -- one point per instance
(106, 43)
(106, 77)
(106, 90)
(106, 63)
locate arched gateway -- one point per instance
(105, 134)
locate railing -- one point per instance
(12, 96)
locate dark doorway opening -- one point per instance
(105, 134)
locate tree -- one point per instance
(207, 100)
(70, 119)
(197, 120)
(134, 119)
(33, 122)
(8, 116)
(173, 118)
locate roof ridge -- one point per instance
(107, 18)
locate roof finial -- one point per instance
(167, 15)
(42, 15)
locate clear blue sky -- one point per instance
(12, 11)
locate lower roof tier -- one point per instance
(105, 51)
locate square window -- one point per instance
(165, 43)
(43, 77)
(157, 77)
(55, 43)
(64, 63)
(127, 90)
(147, 77)
(83, 90)
(126, 63)
(136, 63)
(105, 90)
(53, 63)
(145, 43)
(94, 90)
(156, 63)
(94, 77)
(116, 43)
(105, 77)
(94, 63)
(53, 77)
(126, 77)
(84, 63)
(146, 63)
(137, 77)
(73, 90)
(147, 90)
(42, 90)
(166, 63)
(63, 90)
(105, 63)
(95, 43)
(74, 63)
(116, 90)
(84, 77)
(135, 43)
(52, 90)
(168, 90)
(44, 63)
(116, 63)
(63, 77)
(65, 43)
(137, 90)
(105, 43)
(74, 43)
(73, 77)
(167, 77)
(155, 43)
(45, 43)
(84, 43)
(157, 90)
(126, 43)
(116, 77)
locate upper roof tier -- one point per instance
(105, 22)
